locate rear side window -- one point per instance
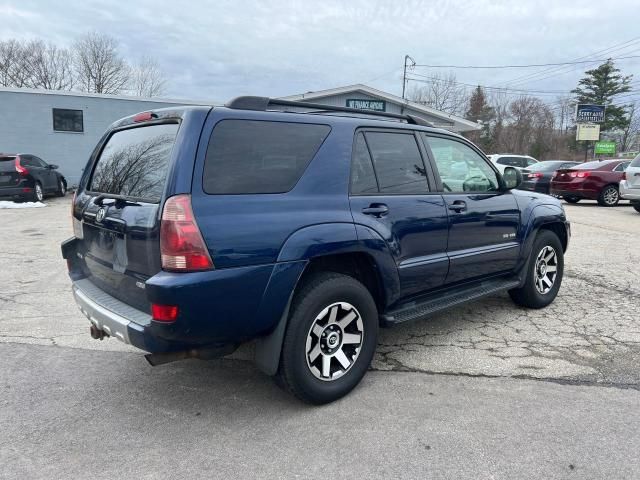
(248, 156)
(363, 178)
(7, 164)
(398, 163)
(621, 167)
(134, 162)
(511, 161)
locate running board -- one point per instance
(442, 300)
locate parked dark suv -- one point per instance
(199, 228)
(27, 177)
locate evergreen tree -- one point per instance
(480, 111)
(600, 86)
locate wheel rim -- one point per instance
(63, 189)
(546, 269)
(38, 192)
(610, 196)
(334, 341)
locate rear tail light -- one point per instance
(20, 169)
(181, 244)
(579, 174)
(535, 175)
(164, 313)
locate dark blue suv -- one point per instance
(301, 227)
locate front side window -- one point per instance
(250, 157)
(134, 162)
(65, 120)
(461, 168)
(397, 162)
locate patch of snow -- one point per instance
(8, 204)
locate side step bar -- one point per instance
(438, 301)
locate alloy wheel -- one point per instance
(63, 188)
(334, 341)
(546, 269)
(610, 196)
(38, 191)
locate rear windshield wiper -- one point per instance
(117, 202)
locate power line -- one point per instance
(532, 65)
(561, 70)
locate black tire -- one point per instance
(320, 293)
(609, 196)
(529, 295)
(636, 207)
(38, 193)
(62, 188)
(571, 199)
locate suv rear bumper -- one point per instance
(116, 318)
(629, 193)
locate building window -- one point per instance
(67, 120)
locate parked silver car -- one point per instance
(630, 185)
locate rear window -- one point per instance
(635, 162)
(547, 166)
(591, 165)
(7, 164)
(134, 162)
(248, 156)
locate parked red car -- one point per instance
(597, 180)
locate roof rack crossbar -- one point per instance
(263, 103)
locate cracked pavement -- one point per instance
(590, 334)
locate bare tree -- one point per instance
(442, 92)
(49, 66)
(631, 134)
(14, 57)
(147, 79)
(98, 65)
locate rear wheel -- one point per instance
(636, 206)
(62, 188)
(330, 340)
(571, 199)
(38, 194)
(543, 273)
(609, 196)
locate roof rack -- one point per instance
(263, 103)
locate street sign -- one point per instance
(367, 104)
(586, 112)
(605, 148)
(588, 131)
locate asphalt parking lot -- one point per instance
(487, 390)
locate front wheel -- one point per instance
(330, 339)
(543, 272)
(609, 197)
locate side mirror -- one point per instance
(52, 166)
(511, 178)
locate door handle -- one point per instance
(458, 206)
(376, 209)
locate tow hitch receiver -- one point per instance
(96, 333)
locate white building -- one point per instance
(64, 127)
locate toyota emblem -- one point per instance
(102, 212)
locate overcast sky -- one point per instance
(219, 49)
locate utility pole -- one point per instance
(404, 75)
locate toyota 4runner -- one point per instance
(303, 227)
